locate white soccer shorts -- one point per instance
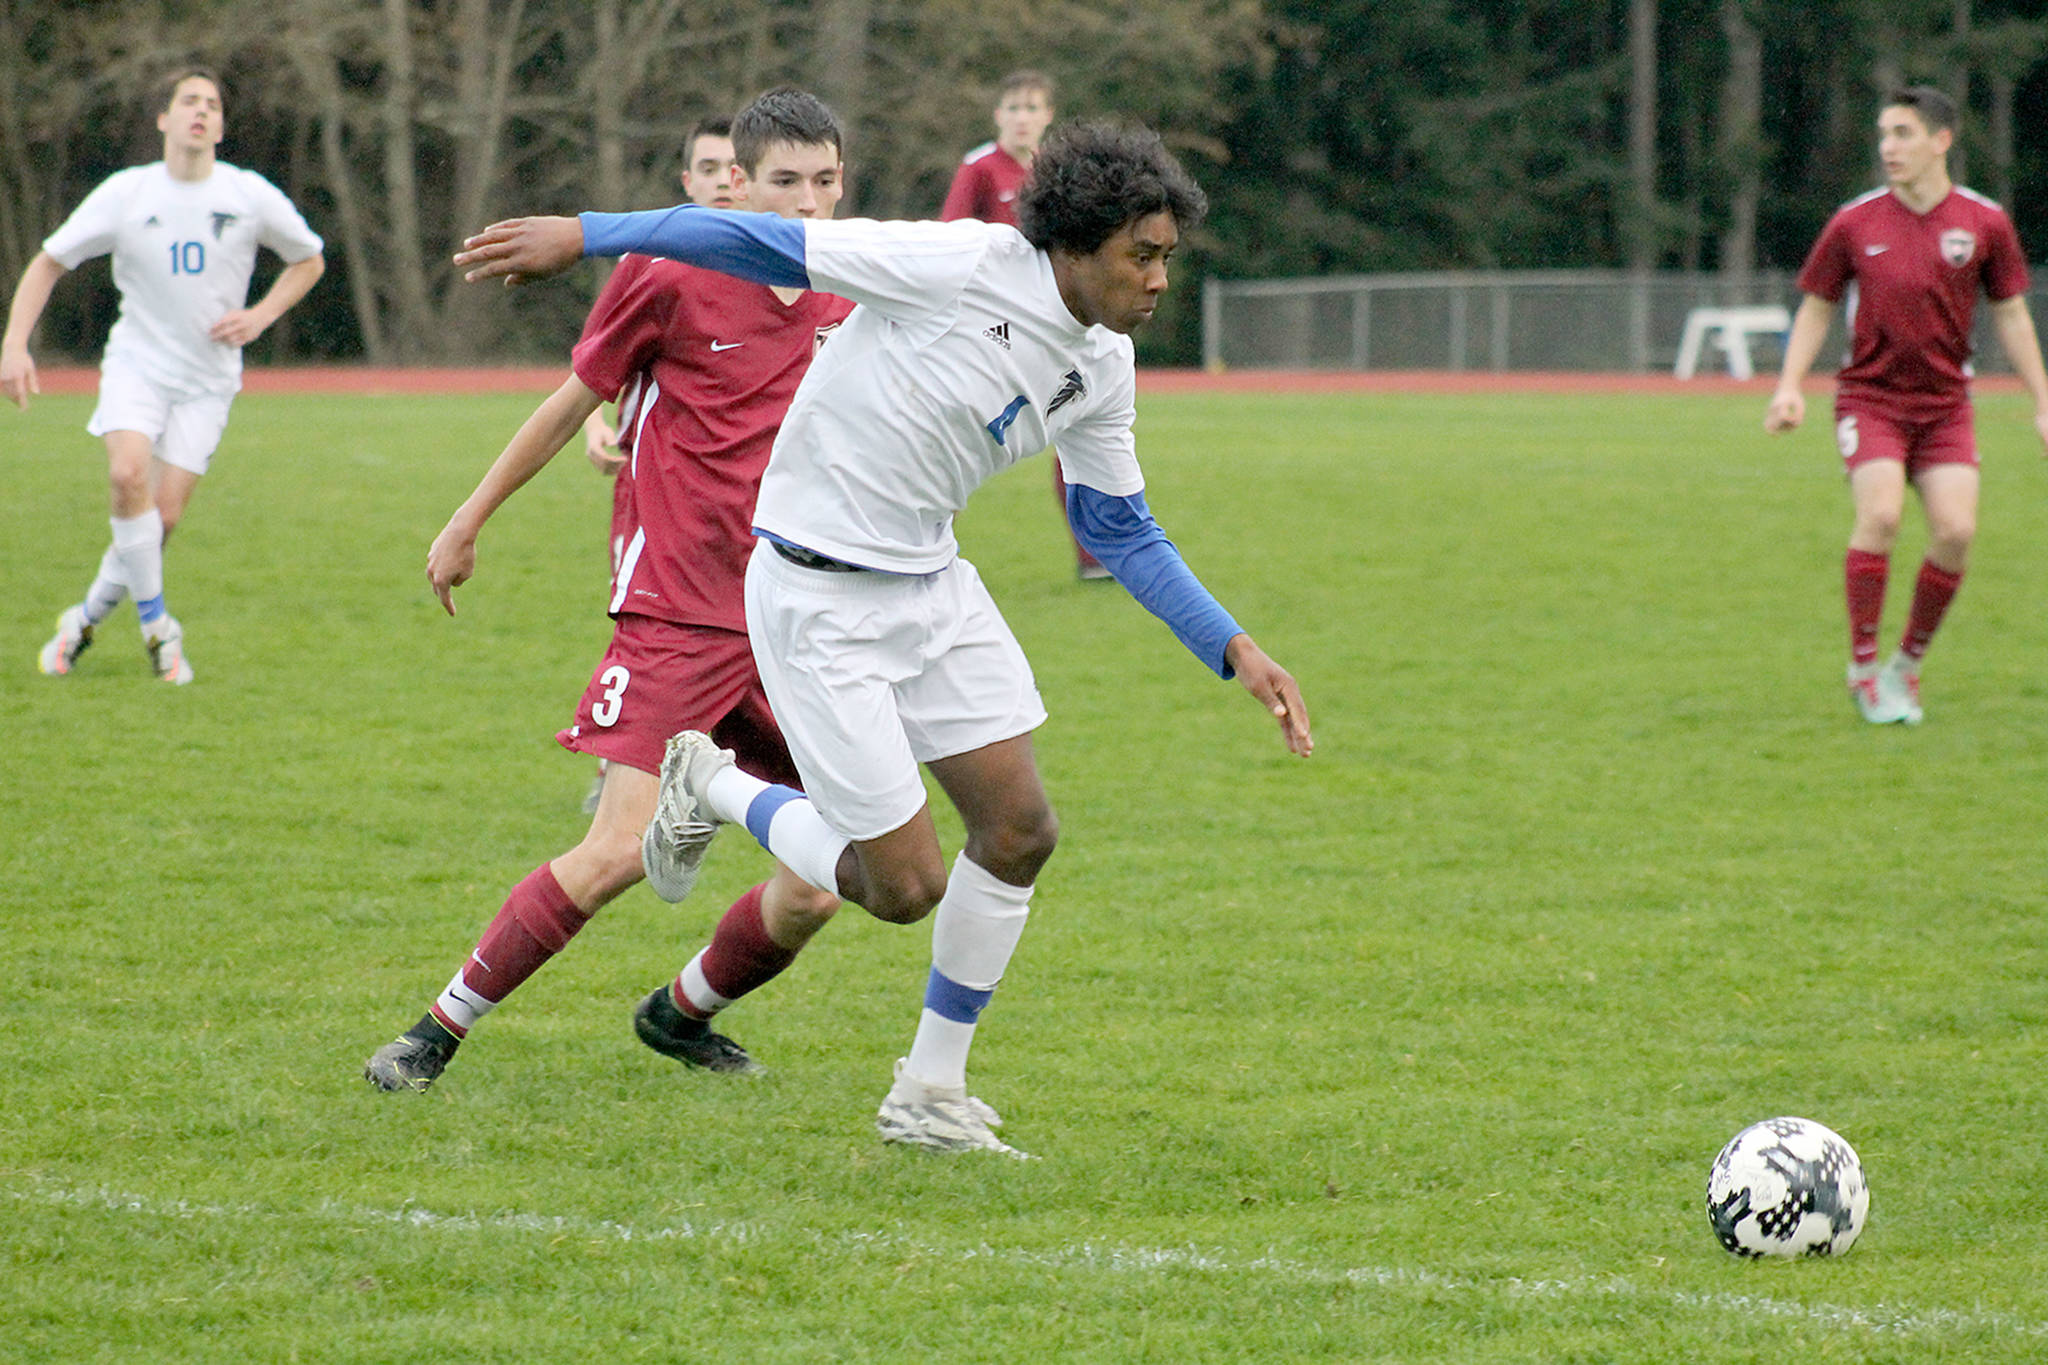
(184, 430)
(871, 674)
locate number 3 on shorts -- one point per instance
(1845, 436)
(614, 681)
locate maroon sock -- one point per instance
(537, 921)
(741, 957)
(1932, 593)
(1864, 576)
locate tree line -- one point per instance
(1332, 135)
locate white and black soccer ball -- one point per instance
(1787, 1187)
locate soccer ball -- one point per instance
(1787, 1187)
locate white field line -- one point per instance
(1883, 1319)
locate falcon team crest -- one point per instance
(1958, 245)
(1072, 386)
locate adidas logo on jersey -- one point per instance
(999, 334)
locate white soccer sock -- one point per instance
(139, 546)
(782, 821)
(109, 589)
(461, 1006)
(731, 791)
(696, 988)
(974, 932)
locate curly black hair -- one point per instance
(784, 114)
(1089, 179)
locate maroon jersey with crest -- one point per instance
(707, 365)
(986, 186)
(1915, 278)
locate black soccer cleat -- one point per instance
(672, 1033)
(414, 1059)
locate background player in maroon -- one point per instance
(715, 362)
(990, 176)
(706, 179)
(986, 187)
(1911, 259)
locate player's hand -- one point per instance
(1787, 410)
(451, 559)
(521, 249)
(2041, 430)
(238, 328)
(601, 444)
(18, 377)
(1275, 689)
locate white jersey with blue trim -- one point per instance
(961, 359)
(183, 253)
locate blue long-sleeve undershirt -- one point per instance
(761, 247)
(1121, 533)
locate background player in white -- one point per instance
(183, 233)
(973, 345)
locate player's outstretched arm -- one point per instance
(1275, 688)
(2015, 328)
(451, 560)
(1809, 330)
(521, 249)
(241, 326)
(17, 366)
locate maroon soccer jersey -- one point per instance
(986, 186)
(1917, 277)
(708, 364)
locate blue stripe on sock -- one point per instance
(761, 811)
(949, 999)
(152, 610)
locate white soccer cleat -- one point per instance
(1898, 683)
(672, 850)
(940, 1119)
(73, 638)
(1871, 701)
(164, 638)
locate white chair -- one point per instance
(1731, 329)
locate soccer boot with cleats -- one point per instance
(672, 850)
(164, 639)
(1898, 683)
(414, 1060)
(1871, 702)
(692, 1042)
(73, 638)
(939, 1119)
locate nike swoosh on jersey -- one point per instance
(726, 345)
(1875, 250)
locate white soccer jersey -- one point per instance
(960, 360)
(183, 253)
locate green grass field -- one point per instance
(1418, 1050)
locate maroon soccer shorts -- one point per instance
(658, 677)
(1864, 432)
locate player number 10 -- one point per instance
(188, 258)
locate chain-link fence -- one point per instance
(1594, 320)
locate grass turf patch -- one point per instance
(1417, 1049)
